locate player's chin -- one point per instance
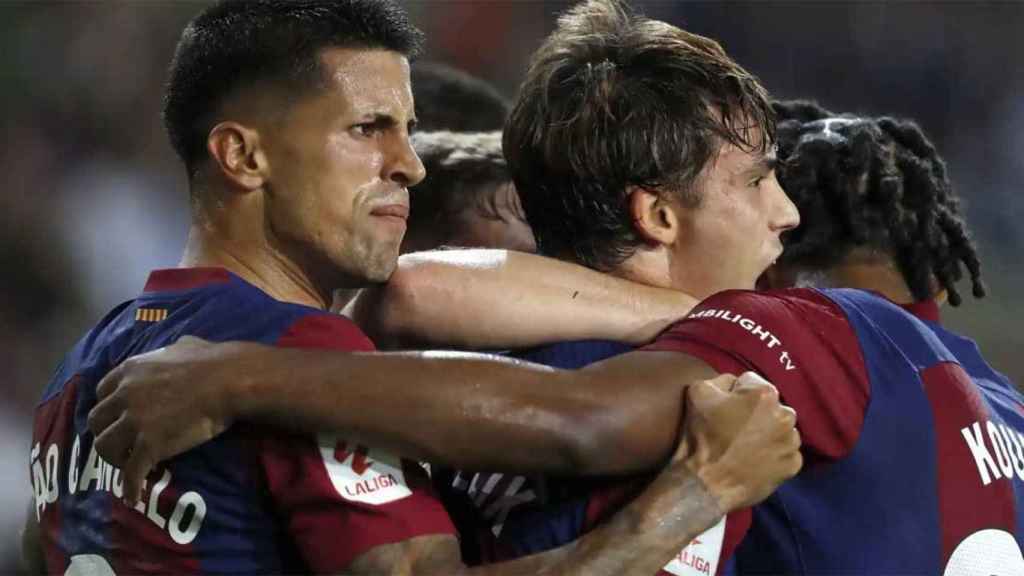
(772, 254)
(382, 263)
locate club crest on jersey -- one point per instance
(360, 474)
(700, 557)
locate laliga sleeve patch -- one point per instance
(362, 475)
(700, 557)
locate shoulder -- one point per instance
(765, 319)
(800, 340)
(317, 329)
(793, 302)
(238, 311)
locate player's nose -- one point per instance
(786, 214)
(405, 167)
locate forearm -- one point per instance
(501, 299)
(640, 539)
(473, 412)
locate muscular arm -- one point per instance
(475, 412)
(639, 539)
(475, 299)
(463, 410)
(724, 431)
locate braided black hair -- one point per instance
(875, 183)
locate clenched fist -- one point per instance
(739, 439)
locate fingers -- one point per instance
(795, 463)
(704, 393)
(115, 442)
(111, 381)
(103, 415)
(134, 472)
(724, 382)
(787, 415)
(752, 382)
(752, 379)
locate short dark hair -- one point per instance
(449, 99)
(876, 183)
(238, 42)
(613, 100)
(465, 172)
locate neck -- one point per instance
(219, 242)
(880, 276)
(654, 268)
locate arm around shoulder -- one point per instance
(477, 299)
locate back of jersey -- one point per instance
(935, 481)
(252, 500)
(190, 504)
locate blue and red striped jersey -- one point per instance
(254, 499)
(914, 458)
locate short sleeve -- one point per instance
(336, 499)
(339, 500)
(797, 339)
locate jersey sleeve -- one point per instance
(338, 500)
(800, 341)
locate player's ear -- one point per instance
(237, 152)
(654, 218)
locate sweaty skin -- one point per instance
(564, 421)
(731, 422)
(497, 299)
(333, 216)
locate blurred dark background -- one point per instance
(94, 197)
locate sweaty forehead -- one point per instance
(732, 159)
(369, 81)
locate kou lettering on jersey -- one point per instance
(766, 337)
(998, 450)
(359, 475)
(182, 522)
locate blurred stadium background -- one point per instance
(94, 197)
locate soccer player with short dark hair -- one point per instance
(293, 120)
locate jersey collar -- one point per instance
(925, 310)
(172, 279)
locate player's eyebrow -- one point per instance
(381, 119)
(763, 165)
(384, 120)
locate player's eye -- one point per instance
(367, 129)
(757, 181)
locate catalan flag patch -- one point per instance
(150, 314)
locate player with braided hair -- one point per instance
(873, 192)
